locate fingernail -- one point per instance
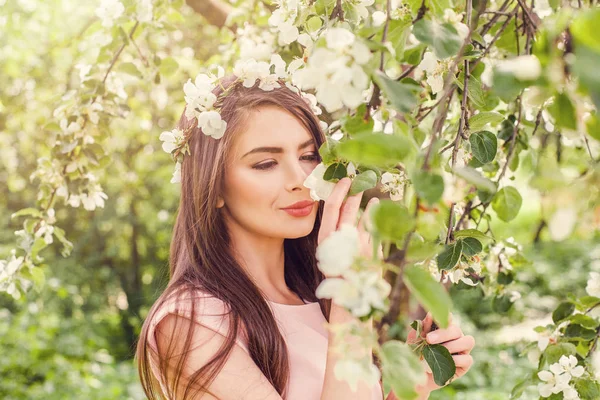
(432, 337)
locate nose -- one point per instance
(296, 174)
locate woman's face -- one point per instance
(269, 162)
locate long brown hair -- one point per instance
(201, 257)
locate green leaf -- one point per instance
(520, 387)
(474, 233)
(587, 389)
(398, 32)
(507, 203)
(593, 127)
(442, 37)
(448, 258)
(563, 310)
(401, 369)
(584, 320)
(505, 277)
(484, 146)
(34, 212)
(441, 363)
(474, 177)
(335, 172)
(501, 303)
(563, 111)
(585, 29)
(364, 181)
(579, 332)
(475, 90)
(431, 294)
(168, 66)
(506, 86)
(356, 123)
(391, 220)
(327, 151)
(554, 351)
(399, 94)
(38, 278)
(414, 55)
(429, 186)
(375, 149)
(478, 121)
(471, 246)
(130, 68)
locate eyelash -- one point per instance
(269, 165)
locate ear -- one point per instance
(220, 202)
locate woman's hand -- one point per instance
(339, 210)
(454, 340)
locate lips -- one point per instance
(299, 205)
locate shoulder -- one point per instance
(193, 305)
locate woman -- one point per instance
(239, 318)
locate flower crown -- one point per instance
(202, 104)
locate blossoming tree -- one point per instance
(438, 105)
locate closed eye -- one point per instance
(269, 165)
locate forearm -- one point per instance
(333, 388)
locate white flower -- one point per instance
(13, 265)
(311, 100)
(211, 124)
(250, 70)
(279, 64)
(353, 371)
(460, 273)
(306, 40)
(339, 38)
(84, 70)
(92, 199)
(394, 184)
(593, 284)
(319, 189)
(337, 252)
(171, 140)
(378, 18)
(435, 69)
(288, 33)
(359, 292)
(269, 83)
(568, 365)
(177, 174)
(569, 393)
(455, 19)
(144, 10)
(553, 383)
(108, 11)
(524, 68)
(542, 8)
(198, 95)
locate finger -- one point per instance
(463, 361)
(349, 210)
(461, 345)
(427, 321)
(444, 335)
(331, 208)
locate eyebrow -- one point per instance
(277, 149)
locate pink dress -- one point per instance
(302, 327)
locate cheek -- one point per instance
(250, 189)
(308, 167)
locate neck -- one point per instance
(262, 258)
